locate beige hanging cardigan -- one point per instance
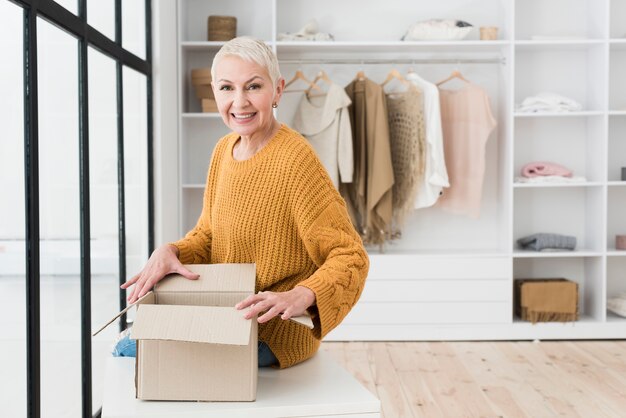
(370, 192)
(408, 150)
(325, 123)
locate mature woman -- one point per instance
(268, 200)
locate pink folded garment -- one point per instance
(541, 168)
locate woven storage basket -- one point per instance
(222, 28)
(546, 300)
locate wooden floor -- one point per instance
(490, 379)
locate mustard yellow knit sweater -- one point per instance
(280, 210)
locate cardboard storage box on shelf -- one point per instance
(192, 344)
(546, 300)
(201, 81)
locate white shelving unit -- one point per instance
(451, 277)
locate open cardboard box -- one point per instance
(192, 344)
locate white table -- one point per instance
(318, 387)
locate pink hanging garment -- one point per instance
(467, 122)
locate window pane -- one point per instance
(12, 226)
(71, 5)
(136, 170)
(60, 222)
(134, 27)
(101, 16)
(104, 211)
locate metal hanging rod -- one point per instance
(500, 60)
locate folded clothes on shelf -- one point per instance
(438, 30)
(550, 179)
(307, 33)
(548, 102)
(546, 241)
(544, 168)
(617, 304)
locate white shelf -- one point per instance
(583, 113)
(206, 115)
(193, 186)
(617, 112)
(559, 45)
(612, 252)
(388, 46)
(209, 46)
(493, 253)
(553, 185)
(618, 44)
(582, 319)
(617, 183)
(518, 253)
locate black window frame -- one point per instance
(76, 26)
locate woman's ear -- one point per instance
(280, 88)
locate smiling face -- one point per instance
(244, 94)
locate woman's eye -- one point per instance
(225, 88)
(254, 86)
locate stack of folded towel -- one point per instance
(617, 304)
(546, 172)
(544, 241)
(548, 102)
(308, 32)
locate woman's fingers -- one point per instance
(250, 300)
(131, 281)
(274, 311)
(187, 273)
(145, 289)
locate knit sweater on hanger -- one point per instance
(280, 210)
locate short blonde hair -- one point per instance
(252, 50)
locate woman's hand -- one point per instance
(163, 261)
(286, 304)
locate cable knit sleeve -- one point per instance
(330, 241)
(337, 250)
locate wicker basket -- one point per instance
(222, 28)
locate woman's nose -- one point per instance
(241, 99)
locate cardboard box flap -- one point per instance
(213, 278)
(147, 298)
(201, 324)
(305, 320)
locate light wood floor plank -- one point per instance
(491, 379)
(483, 370)
(388, 386)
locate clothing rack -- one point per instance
(500, 60)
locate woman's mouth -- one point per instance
(243, 116)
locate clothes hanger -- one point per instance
(320, 76)
(455, 74)
(361, 74)
(395, 74)
(299, 75)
